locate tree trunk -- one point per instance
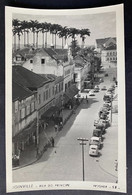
(37, 40)
(55, 41)
(43, 39)
(18, 41)
(24, 39)
(52, 39)
(46, 40)
(33, 38)
(62, 44)
(28, 38)
(15, 42)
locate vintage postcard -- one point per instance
(65, 99)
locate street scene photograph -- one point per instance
(65, 97)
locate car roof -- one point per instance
(94, 138)
(93, 146)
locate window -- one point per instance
(46, 94)
(107, 59)
(42, 61)
(32, 106)
(22, 113)
(31, 61)
(107, 53)
(28, 110)
(49, 93)
(16, 106)
(39, 99)
(65, 86)
(53, 91)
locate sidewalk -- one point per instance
(109, 152)
(29, 155)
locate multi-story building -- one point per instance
(82, 67)
(107, 49)
(109, 54)
(24, 116)
(44, 98)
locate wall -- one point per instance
(50, 65)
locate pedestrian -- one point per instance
(52, 141)
(37, 151)
(56, 127)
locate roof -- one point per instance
(94, 138)
(104, 40)
(111, 47)
(61, 51)
(28, 78)
(19, 92)
(25, 52)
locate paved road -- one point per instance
(64, 162)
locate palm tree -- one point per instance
(38, 27)
(83, 33)
(33, 29)
(19, 32)
(54, 29)
(63, 34)
(72, 33)
(24, 25)
(15, 24)
(44, 29)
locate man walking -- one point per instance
(52, 141)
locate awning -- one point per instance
(25, 133)
(49, 113)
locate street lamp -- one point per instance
(82, 143)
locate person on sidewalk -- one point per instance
(37, 151)
(52, 141)
(56, 127)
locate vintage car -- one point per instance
(91, 93)
(97, 133)
(105, 122)
(103, 88)
(95, 141)
(93, 150)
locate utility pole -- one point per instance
(82, 143)
(111, 110)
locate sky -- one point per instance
(101, 25)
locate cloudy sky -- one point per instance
(101, 25)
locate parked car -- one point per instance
(97, 133)
(91, 93)
(103, 88)
(103, 116)
(104, 110)
(107, 98)
(95, 141)
(93, 150)
(96, 122)
(107, 106)
(105, 122)
(101, 126)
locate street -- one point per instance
(64, 161)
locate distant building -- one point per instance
(107, 48)
(109, 54)
(82, 68)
